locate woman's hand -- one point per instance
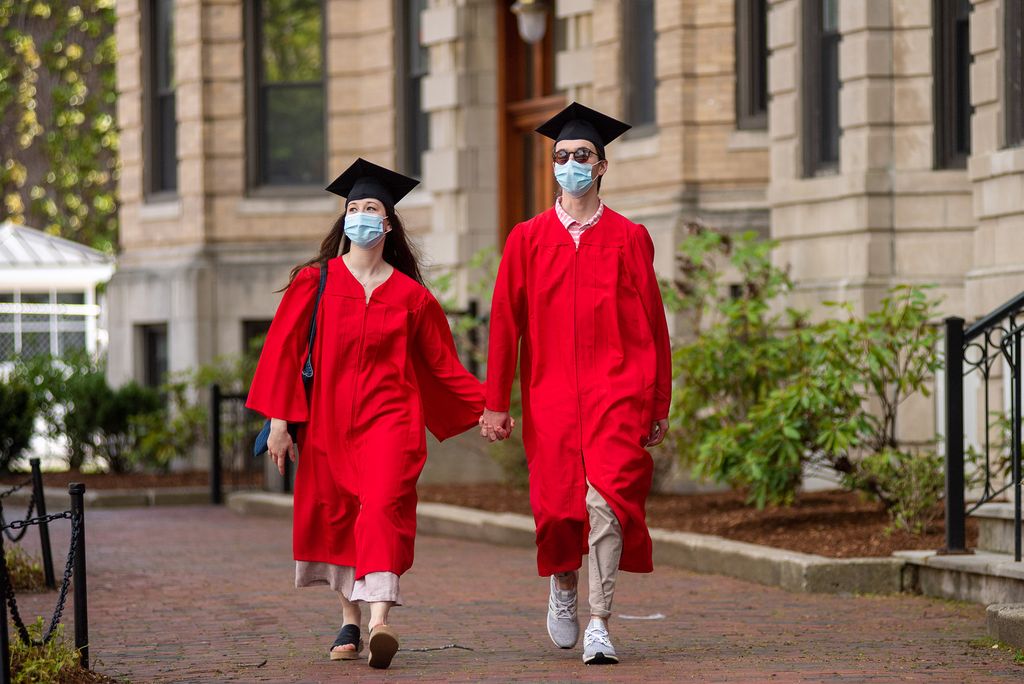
(496, 425)
(279, 444)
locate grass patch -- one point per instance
(26, 571)
(55, 662)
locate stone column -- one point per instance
(460, 169)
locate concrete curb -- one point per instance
(799, 572)
(1005, 622)
(57, 498)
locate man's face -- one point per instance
(570, 149)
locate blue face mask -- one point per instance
(364, 230)
(575, 178)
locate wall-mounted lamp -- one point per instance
(531, 19)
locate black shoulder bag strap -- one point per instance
(307, 369)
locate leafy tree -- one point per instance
(58, 137)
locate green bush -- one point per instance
(65, 391)
(17, 422)
(25, 571)
(760, 395)
(122, 416)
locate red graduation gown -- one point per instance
(595, 372)
(383, 370)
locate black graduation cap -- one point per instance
(365, 179)
(577, 122)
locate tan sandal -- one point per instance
(383, 646)
(348, 635)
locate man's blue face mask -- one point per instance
(574, 177)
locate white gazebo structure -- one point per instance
(48, 293)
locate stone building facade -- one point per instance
(879, 141)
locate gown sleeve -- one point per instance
(508, 321)
(277, 390)
(641, 257)
(453, 399)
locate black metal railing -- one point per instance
(987, 348)
(74, 577)
(231, 449)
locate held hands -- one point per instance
(496, 425)
(279, 444)
(659, 429)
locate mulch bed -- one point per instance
(194, 478)
(836, 524)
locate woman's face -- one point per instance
(369, 206)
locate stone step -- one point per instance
(995, 527)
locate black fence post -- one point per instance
(5, 641)
(956, 526)
(1017, 372)
(44, 527)
(215, 469)
(473, 309)
(77, 492)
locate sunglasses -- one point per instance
(581, 155)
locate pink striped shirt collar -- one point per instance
(574, 227)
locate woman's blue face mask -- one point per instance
(364, 230)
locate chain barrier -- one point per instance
(7, 492)
(5, 578)
(24, 528)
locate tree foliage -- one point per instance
(58, 137)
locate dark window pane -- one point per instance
(751, 64)
(1013, 16)
(253, 331)
(830, 99)
(291, 41)
(6, 297)
(293, 135)
(35, 344)
(35, 297)
(153, 345)
(821, 132)
(414, 122)
(6, 346)
(71, 342)
(289, 93)
(71, 298)
(163, 125)
(165, 140)
(952, 82)
(639, 67)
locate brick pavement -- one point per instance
(200, 594)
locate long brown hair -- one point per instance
(398, 251)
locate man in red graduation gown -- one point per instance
(576, 292)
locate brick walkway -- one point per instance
(203, 595)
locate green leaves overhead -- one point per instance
(58, 136)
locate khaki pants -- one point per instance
(605, 550)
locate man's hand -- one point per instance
(659, 429)
(496, 425)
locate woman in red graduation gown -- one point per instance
(385, 366)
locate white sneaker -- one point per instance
(563, 625)
(597, 646)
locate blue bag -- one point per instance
(259, 447)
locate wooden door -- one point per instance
(526, 98)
